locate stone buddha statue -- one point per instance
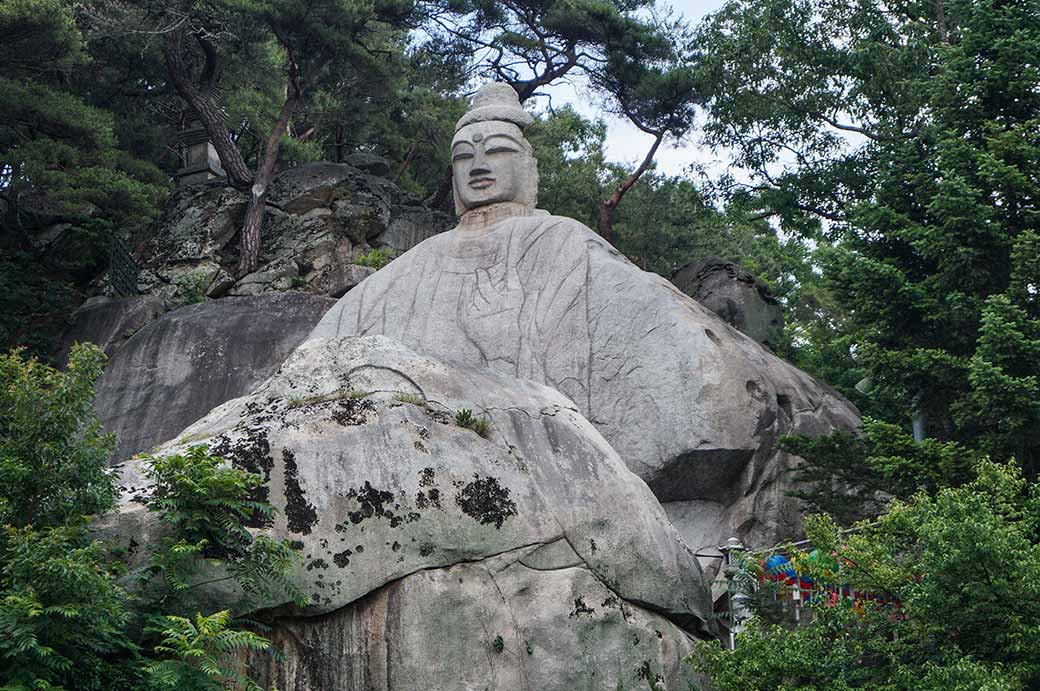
(692, 406)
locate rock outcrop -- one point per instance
(455, 560)
(323, 220)
(693, 406)
(183, 364)
(731, 292)
(109, 322)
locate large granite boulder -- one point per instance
(529, 557)
(693, 406)
(109, 322)
(730, 291)
(323, 220)
(183, 364)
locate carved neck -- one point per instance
(483, 217)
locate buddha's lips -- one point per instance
(481, 183)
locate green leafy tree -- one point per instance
(207, 509)
(67, 182)
(53, 454)
(62, 613)
(200, 654)
(931, 205)
(281, 56)
(961, 574)
(71, 615)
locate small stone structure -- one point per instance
(199, 159)
(728, 290)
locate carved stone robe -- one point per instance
(692, 405)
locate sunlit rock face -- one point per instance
(458, 538)
(691, 405)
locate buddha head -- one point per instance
(491, 161)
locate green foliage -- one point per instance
(67, 183)
(464, 417)
(201, 654)
(53, 455)
(70, 613)
(961, 571)
(191, 287)
(411, 399)
(63, 616)
(207, 508)
(852, 476)
(931, 207)
(376, 258)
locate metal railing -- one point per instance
(122, 269)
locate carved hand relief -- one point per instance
(491, 314)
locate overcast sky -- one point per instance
(625, 142)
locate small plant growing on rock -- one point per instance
(411, 399)
(498, 645)
(192, 287)
(376, 258)
(464, 417)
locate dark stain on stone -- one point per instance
(375, 503)
(426, 549)
(359, 549)
(425, 500)
(592, 543)
(396, 546)
(581, 608)
(252, 454)
(486, 501)
(611, 601)
(317, 564)
(341, 559)
(421, 448)
(296, 545)
(426, 477)
(352, 411)
(299, 512)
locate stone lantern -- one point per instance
(199, 160)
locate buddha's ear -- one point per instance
(459, 208)
(529, 192)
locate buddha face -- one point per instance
(492, 162)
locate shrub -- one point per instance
(464, 417)
(376, 258)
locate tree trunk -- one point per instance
(249, 243)
(608, 207)
(201, 101)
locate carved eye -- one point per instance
(501, 150)
(462, 156)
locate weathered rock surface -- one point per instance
(693, 406)
(491, 624)
(180, 366)
(731, 292)
(424, 542)
(109, 322)
(321, 218)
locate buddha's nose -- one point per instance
(480, 165)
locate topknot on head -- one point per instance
(495, 101)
